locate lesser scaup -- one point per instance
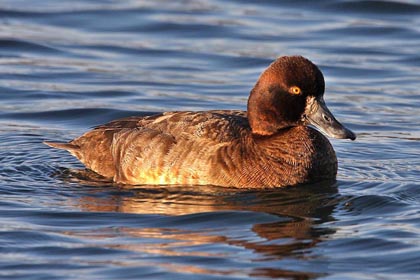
(270, 145)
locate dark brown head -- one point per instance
(290, 93)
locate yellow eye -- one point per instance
(295, 90)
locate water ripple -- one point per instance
(66, 66)
(378, 7)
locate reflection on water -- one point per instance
(273, 225)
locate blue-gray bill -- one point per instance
(318, 115)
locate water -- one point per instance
(66, 66)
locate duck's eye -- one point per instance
(295, 90)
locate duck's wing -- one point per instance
(151, 138)
(218, 126)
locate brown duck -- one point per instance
(270, 145)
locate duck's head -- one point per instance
(290, 92)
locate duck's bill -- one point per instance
(318, 115)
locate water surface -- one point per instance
(66, 66)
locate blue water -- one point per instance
(66, 66)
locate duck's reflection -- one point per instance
(292, 231)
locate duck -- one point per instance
(279, 141)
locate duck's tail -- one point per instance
(64, 146)
(94, 157)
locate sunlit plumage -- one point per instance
(270, 145)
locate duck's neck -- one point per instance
(269, 110)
